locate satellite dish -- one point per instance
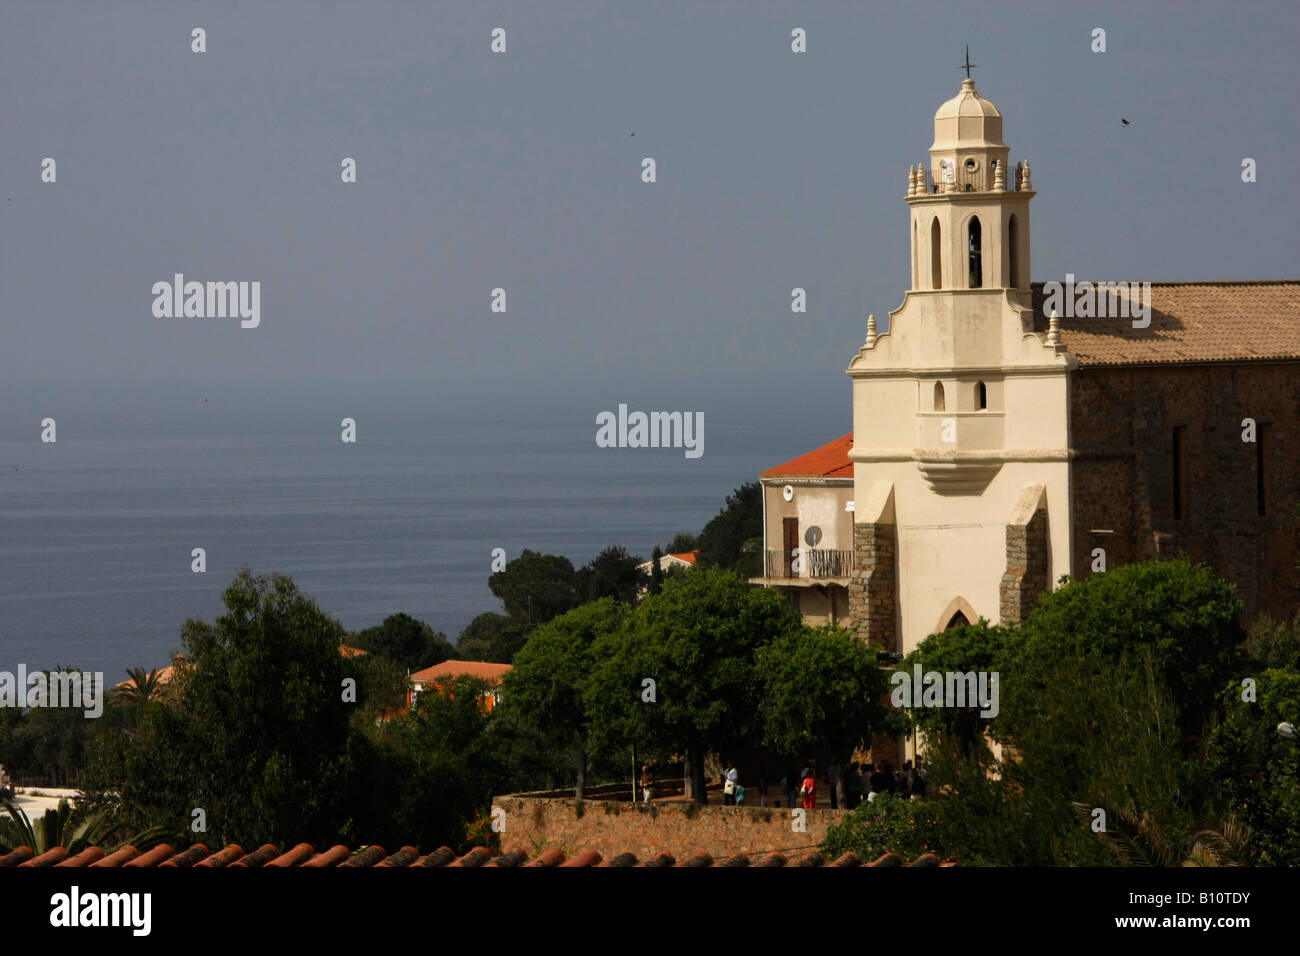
(812, 536)
(788, 492)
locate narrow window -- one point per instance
(1011, 253)
(916, 266)
(936, 273)
(938, 397)
(981, 396)
(1261, 468)
(1180, 471)
(976, 269)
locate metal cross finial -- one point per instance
(968, 64)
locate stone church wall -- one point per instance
(1122, 480)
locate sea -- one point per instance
(97, 534)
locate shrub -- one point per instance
(888, 824)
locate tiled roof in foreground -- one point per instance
(306, 856)
(1190, 322)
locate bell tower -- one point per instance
(961, 416)
(970, 211)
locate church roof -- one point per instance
(829, 461)
(1191, 322)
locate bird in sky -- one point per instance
(1124, 121)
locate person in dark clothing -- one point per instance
(854, 787)
(891, 781)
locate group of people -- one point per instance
(867, 781)
(862, 781)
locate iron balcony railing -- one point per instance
(809, 563)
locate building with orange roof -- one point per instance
(808, 531)
(440, 676)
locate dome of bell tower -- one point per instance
(967, 120)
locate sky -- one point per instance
(522, 170)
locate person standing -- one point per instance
(729, 786)
(647, 784)
(854, 786)
(808, 790)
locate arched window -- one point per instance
(916, 266)
(957, 620)
(936, 256)
(1011, 253)
(981, 396)
(939, 404)
(976, 268)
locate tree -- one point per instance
(401, 638)
(681, 543)
(536, 587)
(491, 637)
(1188, 616)
(260, 736)
(613, 573)
(723, 541)
(821, 693)
(681, 678)
(551, 671)
(656, 583)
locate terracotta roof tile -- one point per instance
(305, 856)
(1191, 322)
(450, 670)
(829, 461)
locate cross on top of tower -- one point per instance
(968, 65)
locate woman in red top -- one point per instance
(808, 790)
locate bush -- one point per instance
(888, 824)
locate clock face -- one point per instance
(949, 170)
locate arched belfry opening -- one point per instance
(916, 265)
(981, 396)
(976, 277)
(1012, 257)
(939, 404)
(936, 255)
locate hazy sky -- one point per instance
(519, 170)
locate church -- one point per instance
(999, 444)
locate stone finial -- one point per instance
(1054, 329)
(871, 331)
(999, 179)
(920, 179)
(911, 180)
(1025, 183)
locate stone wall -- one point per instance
(1026, 575)
(680, 828)
(1122, 422)
(874, 584)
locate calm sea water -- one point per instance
(96, 534)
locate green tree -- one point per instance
(723, 541)
(681, 543)
(1188, 616)
(696, 641)
(401, 638)
(821, 693)
(656, 583)
(536, 587)
(550, 672)
(491, 637)
(260, 735)
(613, 573)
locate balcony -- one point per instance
(813, 566)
